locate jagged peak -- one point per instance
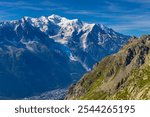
(25, 18)
(100, 26)
(76, 20)
(56, 18)
(103, 27)
(43, 17)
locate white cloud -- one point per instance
(82, 12)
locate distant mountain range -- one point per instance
(121, 76)
(48, 53)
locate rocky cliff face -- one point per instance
(125, 75)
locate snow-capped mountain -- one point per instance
(47, 53)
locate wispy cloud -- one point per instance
(129, 23)
(9, 7)
(132, 25)
(19, 5)
(43, 5)
(5, 14)
(119, 17)
(139, 1)
(82, 12)
(12, 4)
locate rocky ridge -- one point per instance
(124, 75)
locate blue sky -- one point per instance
(126, 16)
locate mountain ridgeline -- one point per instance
(38, 55)
(125, 75)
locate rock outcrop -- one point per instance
(125, 75)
